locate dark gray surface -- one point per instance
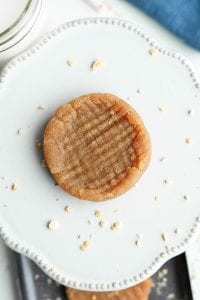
(171, 282)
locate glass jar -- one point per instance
(17, 18)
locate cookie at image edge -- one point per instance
(96, 147)
(138, 292)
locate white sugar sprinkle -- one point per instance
(37, 276)
(139, 236)
(49, 281)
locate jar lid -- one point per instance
(20, 18)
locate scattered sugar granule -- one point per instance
(171, 296)
(91, 236)
(89, 221)
(166, 181)
(79, 236)
(96, 65)
(188, 140)
(186, 197)
(68, 209)
(14, 187)
(139, 236)
(103, 224)
(37, 276)
(165, 271)
(116, 225)
(43, 163)
(138, 243)
(140, 92)
(178, 231)
(164, 237)
(71, 62)
(19, 131)
(153, 52)
(190, 112)
(41, 107)
(53, 225)
(98, 213)
(161, 109)
(85, 245)
(49, 281)
(162, 159)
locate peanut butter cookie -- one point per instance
(139, 292)
(96, 147)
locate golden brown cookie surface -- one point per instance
(138, 292)
(96, 147)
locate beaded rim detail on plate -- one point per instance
(166, 253)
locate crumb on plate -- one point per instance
(68, 209)
(14, 187)
(164, 236)
(96, 65)
(98, 213)
(153, 52)
(85, 245)
(116, 225)
(53, 225)
(186, 197)
(188, 140)
(103, 224)
(71, 62)
(138, 243)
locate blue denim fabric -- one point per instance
(182, 17)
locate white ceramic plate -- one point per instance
(41, 76)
